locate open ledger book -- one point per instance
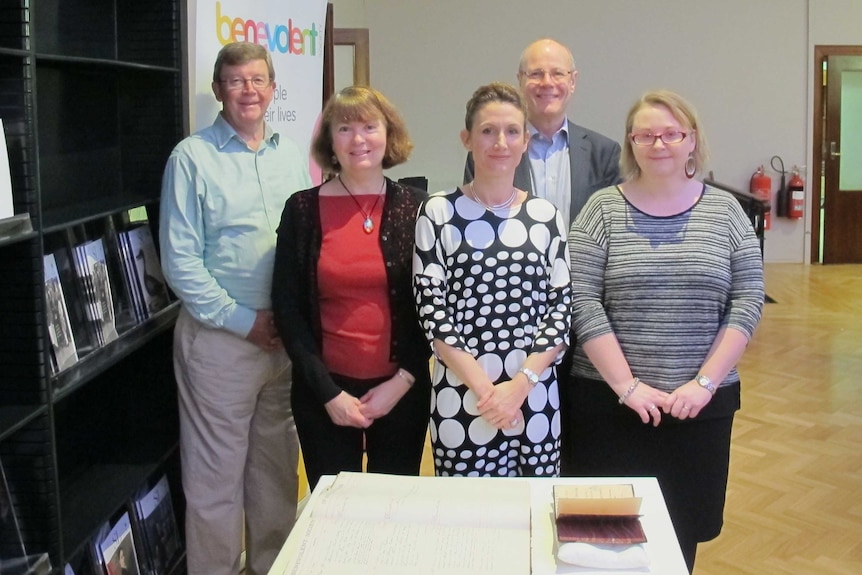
(391, 525)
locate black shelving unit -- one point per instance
(92, 103)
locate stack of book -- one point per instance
(143, 272)
(160, 537)
(92, 269)
(599, 526)
(99, 288)
(63, 350)
(142, 539)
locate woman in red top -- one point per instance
(342, 297)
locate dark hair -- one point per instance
(239, 53)
(357, 104)
(493, 92)
(681, 110)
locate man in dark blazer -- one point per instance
(564, 163)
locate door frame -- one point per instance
(821, 52)
(355, 37)
(358, 39)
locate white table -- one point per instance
(662, 546)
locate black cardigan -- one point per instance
(295, 295)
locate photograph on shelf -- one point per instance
(125, 314)
(102, 292)
(63, 352)
(117, 549)
(6, 207)
(88, 288)
(161, 547)
(93, 273)
(148, 269)
(76, 304)
(136, 294)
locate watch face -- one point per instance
(705, 382)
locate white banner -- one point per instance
(292, 31)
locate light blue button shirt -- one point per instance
(551, 169)
(221, 206)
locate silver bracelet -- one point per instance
(403, 376)
(629, 391)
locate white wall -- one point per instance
(745, 64)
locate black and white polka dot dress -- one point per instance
(496, 285)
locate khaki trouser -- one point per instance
(238, 448)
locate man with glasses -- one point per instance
(565, 163)
(222, 195)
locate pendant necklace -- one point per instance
(367, 223)
(494, 207)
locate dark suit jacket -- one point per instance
(595, 164)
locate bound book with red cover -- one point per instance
(604, 529)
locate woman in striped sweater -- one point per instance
(667, 282)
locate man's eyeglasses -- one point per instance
(239, 83)
(558, 76)
(669, 137)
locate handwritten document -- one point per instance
(366, 524)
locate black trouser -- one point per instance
(567, 411)
(393, 443)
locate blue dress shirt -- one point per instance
(550, 168)
(221, 205)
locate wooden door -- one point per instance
(842, 161)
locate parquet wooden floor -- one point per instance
(794, 501)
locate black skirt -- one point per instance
(690, 458)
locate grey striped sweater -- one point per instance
(663, 285)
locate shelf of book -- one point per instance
(82, 516)
(91, 105)
(134, 431)
(150, 511)
(96, 362)
(86, 212)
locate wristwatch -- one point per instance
(531, 375)
(705, 383)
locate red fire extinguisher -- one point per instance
(761, 188)
(796, 193)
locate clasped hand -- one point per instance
(683, 403)
(500, 405)
(349, 411)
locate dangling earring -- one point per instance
(690, 166)
(334, 160)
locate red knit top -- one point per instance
(354, 305)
